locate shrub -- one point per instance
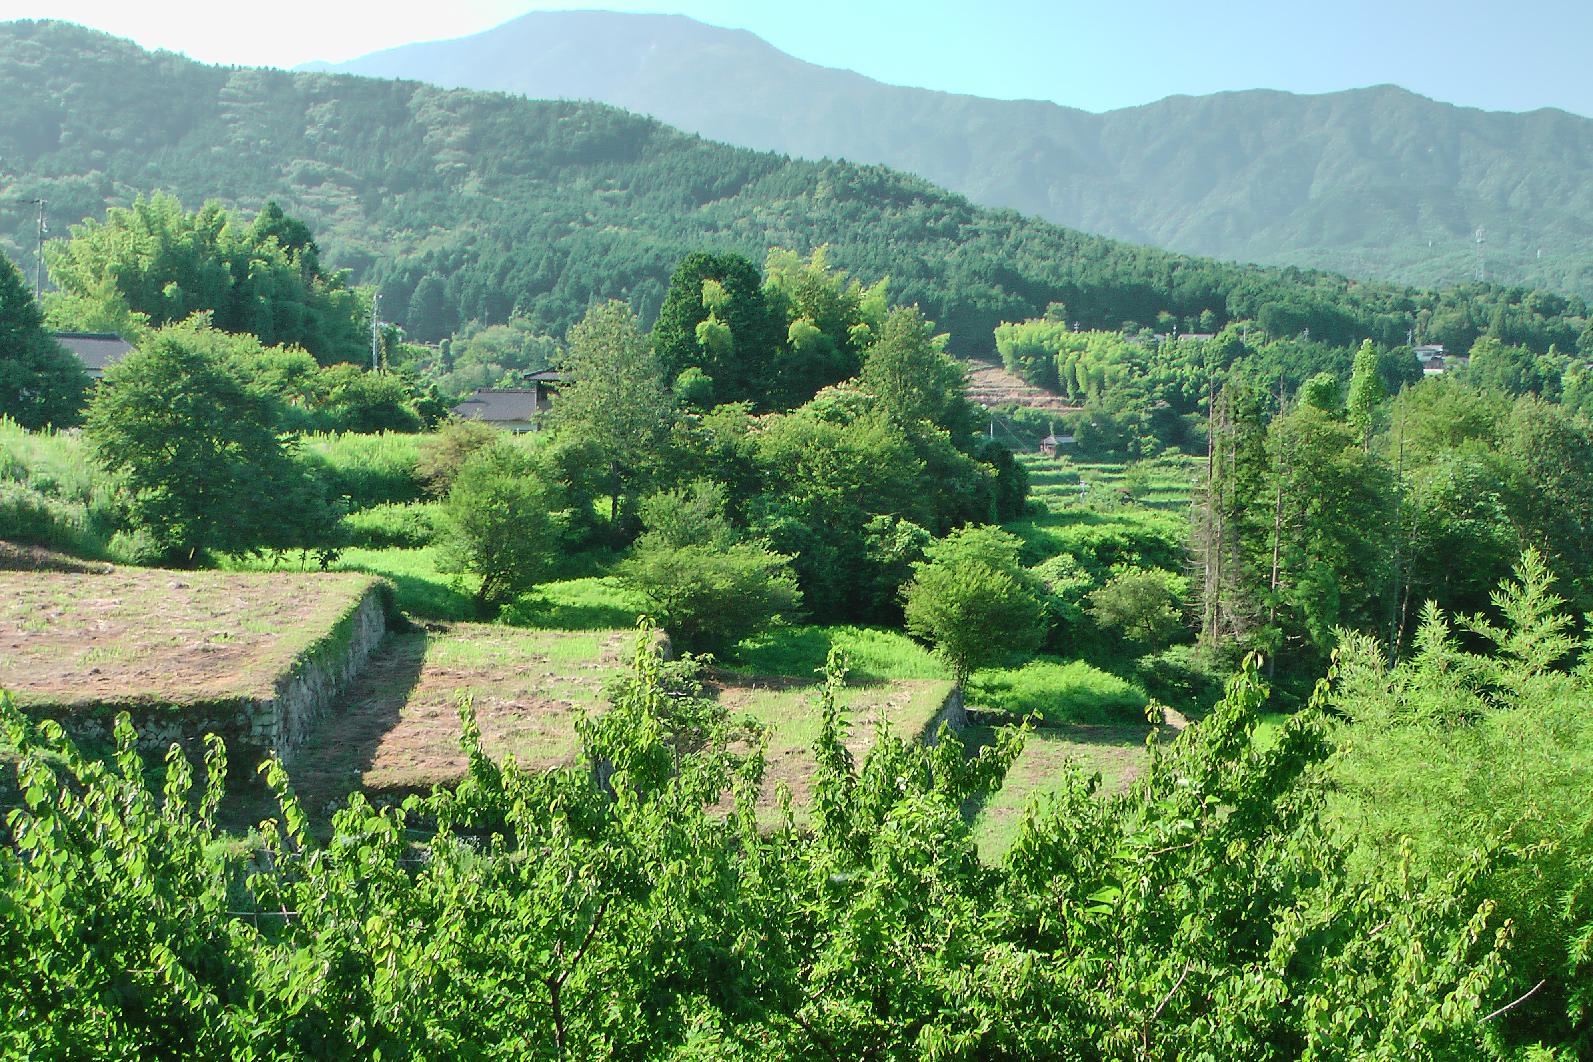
(500, 524)
(707, 597)
(972, 601)
(443, 454)
(1142, 604)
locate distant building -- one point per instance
(97, 351)
(1435, 362)
(513, 408)
(1054, 442)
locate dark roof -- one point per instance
(96, 350)
(499, 405)
(545, 376)
(1057, 440)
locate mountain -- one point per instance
(492, 204)
(1369, 182)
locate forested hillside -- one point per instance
(1375, 182)
(487, 204)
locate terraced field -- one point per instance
(143, 636)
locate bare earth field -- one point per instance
(397, 729)
(991, 385)
(137, 636)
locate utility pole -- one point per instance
(38, 252)
(376, 301)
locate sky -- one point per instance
(1094, 55)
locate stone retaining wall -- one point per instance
(253, 726)
(953, 712)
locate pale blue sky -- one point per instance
(1518, 56)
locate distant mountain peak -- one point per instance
(1371, 181)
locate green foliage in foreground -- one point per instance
(1452, 750)
(602, 909)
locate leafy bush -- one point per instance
(501, 524)
(972, 601)
(1143, 604)
(708, 597)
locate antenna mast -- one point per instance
(1482, 268)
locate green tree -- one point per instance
(428, 316)
(198, 455)
(706, 585)
(1323, 392)
(501, 523)
(1367, 391)
(907, 369)
(1143, 604)
(972, 602)
(716, 320)
(158, 263)
(615, 398)
(40, 382)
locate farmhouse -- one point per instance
(97, 351)
(513, 408)
(1435, 362)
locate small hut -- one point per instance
(1053, 443)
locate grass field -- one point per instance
(789, 715)
(145, 636)
(872, 654)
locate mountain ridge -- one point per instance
(1374, 181)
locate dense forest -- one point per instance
(1375, 182)
(462, 206)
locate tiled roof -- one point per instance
(499, 405)
(97, 350)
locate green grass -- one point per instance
(52, 494)
(1059, 692)
(369, 470)
(872, 654)
(404, 526)
(592, 603)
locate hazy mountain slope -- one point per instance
(1373, 181)
(513, 205)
